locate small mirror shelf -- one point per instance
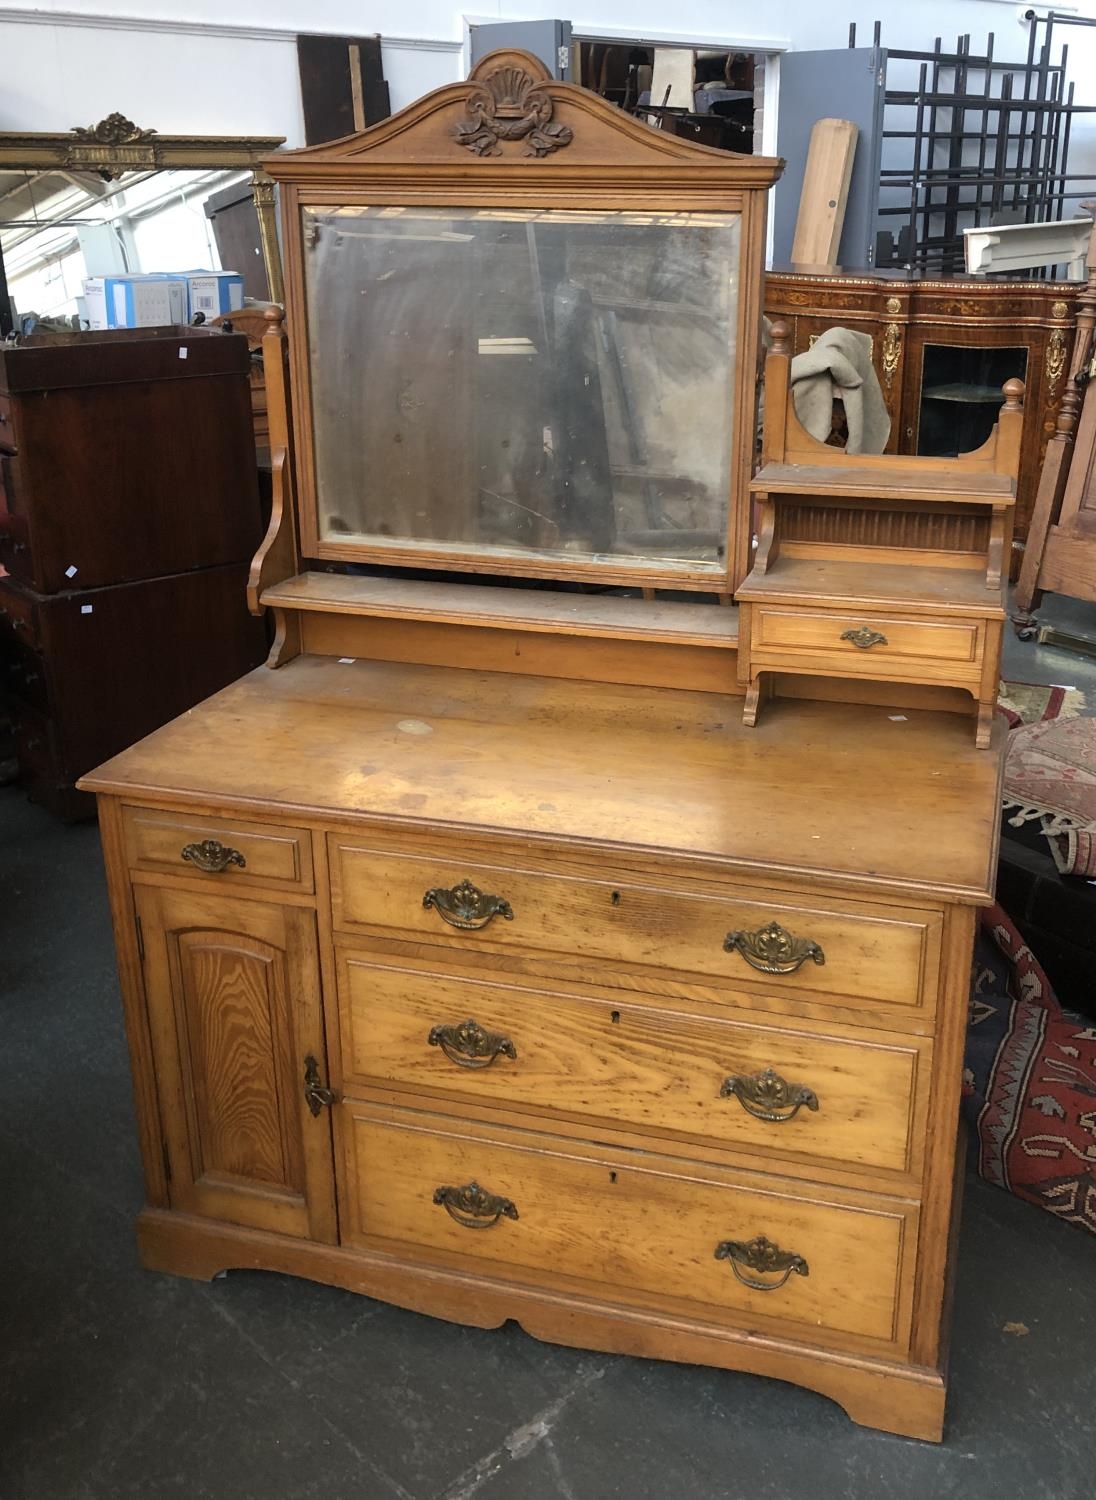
(523, 341)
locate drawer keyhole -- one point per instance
(614, 899)
(612, 1177)
(614, 1016)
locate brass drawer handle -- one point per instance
(466, 906)
(469, 1046)
(864, 638)
(773, 949)
(472, 1207)
(316, 1093)
(763, 1256)
(213, 856)
(767, 1096)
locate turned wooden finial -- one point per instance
(1014, 395)
(779, 333)
(275, 318)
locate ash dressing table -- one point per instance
(475, 955)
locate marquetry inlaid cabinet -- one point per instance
(475, 955)
(943, 350)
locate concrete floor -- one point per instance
(115, 1382)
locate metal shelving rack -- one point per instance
(977, 141)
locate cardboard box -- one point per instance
(214, 292)
(135, 301)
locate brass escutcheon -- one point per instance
(472, 1207)
(466, 906)
(767, 1096)
(470, 1046)
(864, 638)
(212, 856)
(773, 950)
(763, 1256)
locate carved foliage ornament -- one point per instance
(113, 147)
(510, 105)
(115, 130)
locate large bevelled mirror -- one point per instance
(513, 381)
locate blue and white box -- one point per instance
(135, 301)
(214, 292)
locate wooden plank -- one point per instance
(825, 193)
(508, 609)
(957, 485)
(817, 580)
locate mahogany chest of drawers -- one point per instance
(129, 510)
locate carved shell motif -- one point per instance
(509, 105)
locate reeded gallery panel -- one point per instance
(524, 382)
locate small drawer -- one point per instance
(854, 1100)
(18, 614)
(35, 744)
(25, 674)
(862, 953)
(650, 1231)
(866, 642)
(219, 849)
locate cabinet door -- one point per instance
(235, 1013)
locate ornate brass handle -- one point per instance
(763, 1256)
(773, 949)
(469, 1046)
(466, 906)
(767, 1096)
(472, 1207)
(212, 856)
(317, 1094)
(864, 638)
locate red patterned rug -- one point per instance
(1029, 1082)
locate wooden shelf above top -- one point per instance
(953, 486)
(536, 610)
(838, 585)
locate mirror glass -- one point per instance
(509, 382)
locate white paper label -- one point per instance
(183, 353)
(71, 571)
(86, 609)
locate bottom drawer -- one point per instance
(640, 1229)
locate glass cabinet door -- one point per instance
(516, 382)
(962, 394)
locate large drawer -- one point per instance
(854, 1100)
(868, 642)
(860, 952)
(220, 850)
(632, 1228)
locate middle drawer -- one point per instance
(856, 1099)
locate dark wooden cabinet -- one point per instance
(129, 510)
(943, 349)
(89, 672)
(121, 459)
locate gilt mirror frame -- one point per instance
(116, 146)
(512, 137)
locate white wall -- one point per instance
(229, 66)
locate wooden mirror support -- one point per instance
(116, 146)
(523, 342)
